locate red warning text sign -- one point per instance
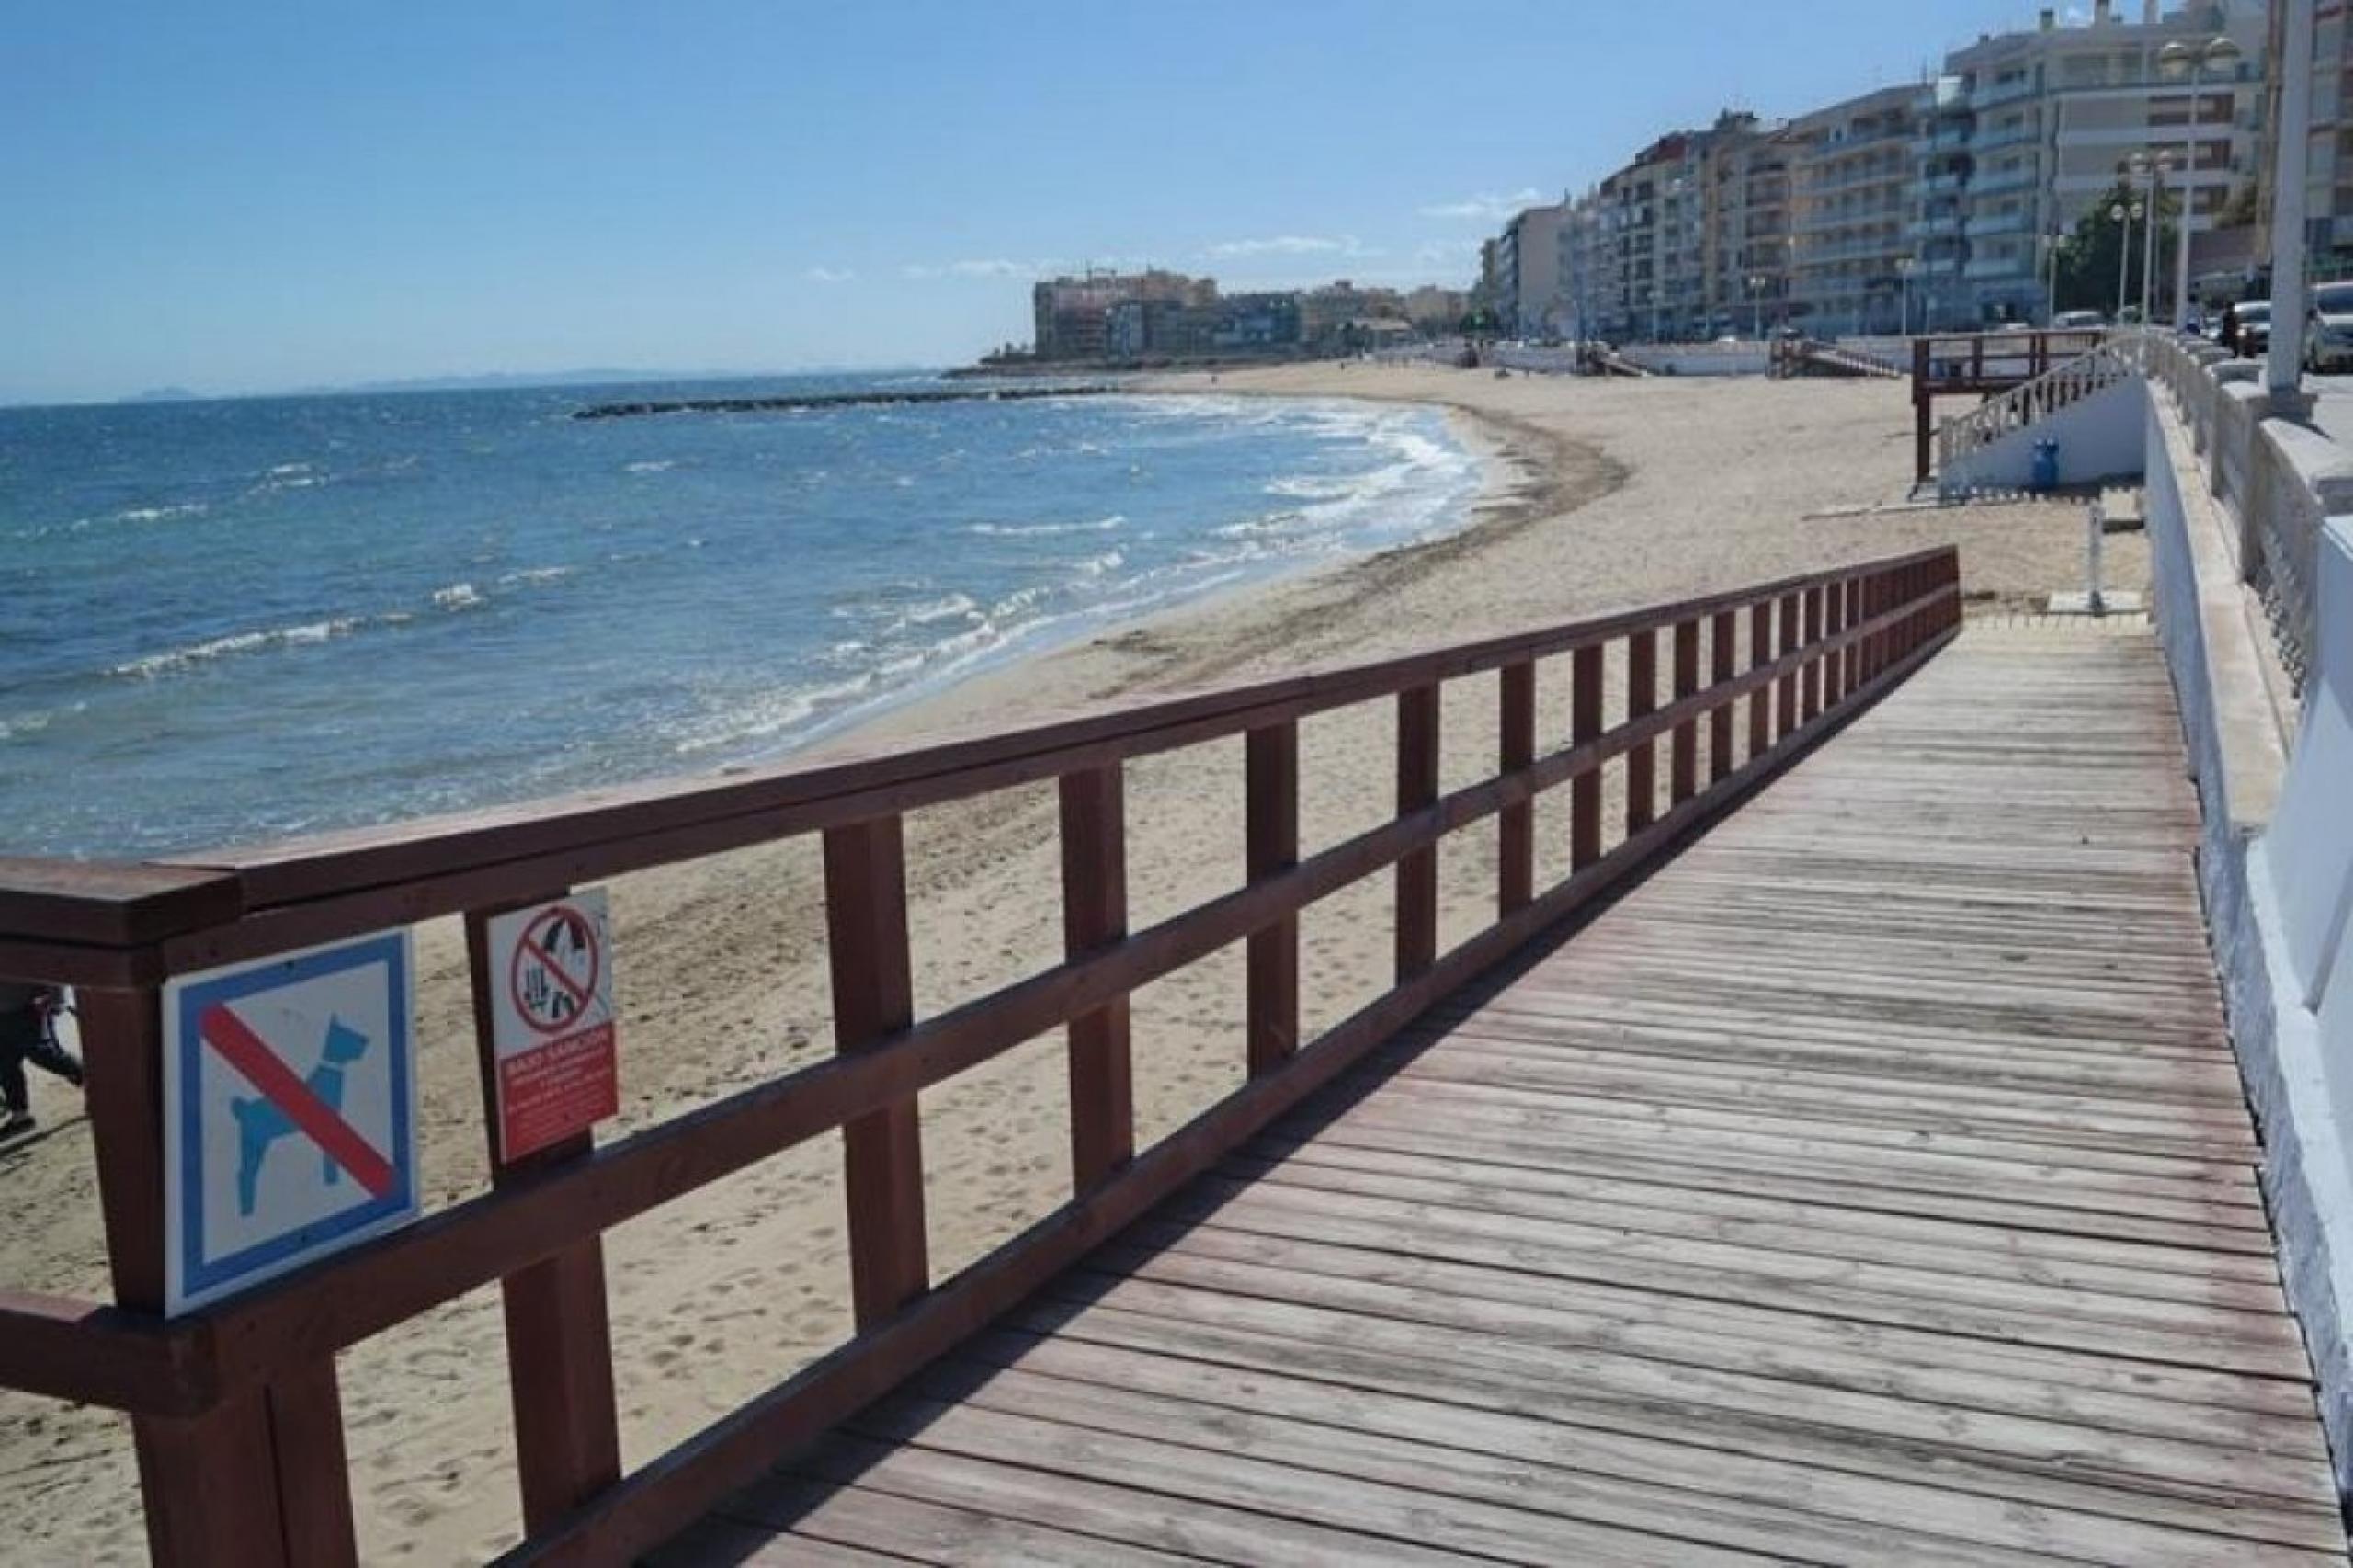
(552, 1023)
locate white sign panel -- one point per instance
(290, 1113)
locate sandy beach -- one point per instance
(1602, 494)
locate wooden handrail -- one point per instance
(247, 1387)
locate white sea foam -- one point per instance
(159, 514)
(953, 607)
(1041, 530)
(457, 596)
(33, 723)
(1311, 489)
(537, 575)
(176, 659)
(650, 465)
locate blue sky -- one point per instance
(245, 197)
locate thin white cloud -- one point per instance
(984, 266)
(829, 275)
(1488, 206)
(1292, 245)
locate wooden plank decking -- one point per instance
(1871, 1185)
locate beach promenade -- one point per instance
(1870, 1184)
(1607, 497)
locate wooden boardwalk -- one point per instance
(1871, 1185)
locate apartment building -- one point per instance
(1072, 316)
(1852, 212)
(2024, 132)
(1528, 270)
(1744, 224)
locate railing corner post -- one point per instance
(1271, 830)
(1094, 915)
(866, 920)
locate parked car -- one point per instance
(2255, 327)
(2328, 342)
(2077, 321)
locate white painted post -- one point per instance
(2097, 604)
(2284, 368)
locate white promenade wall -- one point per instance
(2276, 854)
(2102, 436)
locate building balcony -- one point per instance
(2007, 136)
(1862, 179)
(1990, 96)
(1884, 249)
(1945, 226)
(1944, 184)
(1994, 183)
(1987, 267)
(1850, 218)
(1941, 145)
(2016, 221)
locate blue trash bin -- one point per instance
(2043, 477)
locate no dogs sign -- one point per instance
(550, 987)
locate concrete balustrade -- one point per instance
(2251, 534)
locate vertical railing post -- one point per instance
(1834, 665)
(866, 923)
(1641, 759)
(1585, 724)
(1923, 403)
(1683, 753)
(1810, 683)
(1721, 654)
(1785, 706)
(1516, 823)
(1851, 594)
(213, 1485)
(1760, 700)
(1094, 917)
(559, 1329)
(1417, 777)
(1271, 835)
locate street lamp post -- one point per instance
(1904, 267)
(1756, 307)
(2124, 212)
(2158, 167)
(2050, 244)
(2179, 59)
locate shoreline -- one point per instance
(1525, 476)
(1605, 494)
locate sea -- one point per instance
(233, 620)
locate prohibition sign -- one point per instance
(294, 1099)
(551, 979)
(552, 1061)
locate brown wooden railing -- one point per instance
(235, 1409)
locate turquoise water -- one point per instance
(222, 620)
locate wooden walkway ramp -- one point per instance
(1870, 1184)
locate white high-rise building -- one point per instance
(2024, 132)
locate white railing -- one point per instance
(2031, 402)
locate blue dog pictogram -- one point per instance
(260, 1123)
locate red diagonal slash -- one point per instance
(227, 1034)
(580, 996)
